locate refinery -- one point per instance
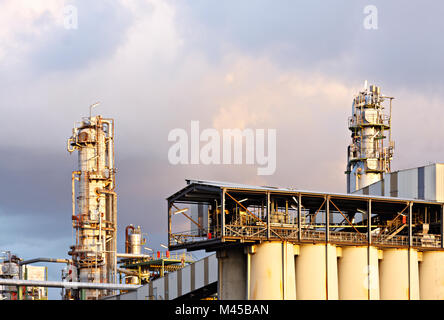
(382, 240)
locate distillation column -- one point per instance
(368, 159)
(94, 211)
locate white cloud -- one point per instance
(21, 20)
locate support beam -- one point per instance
(410, 204)
(222, 212)
(442, 225)
(327, 220)
(170, 204)
(299, 217)
(369, 242)
(327, 239)
(268, 215)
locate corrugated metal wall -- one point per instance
(440, 182)
(425, 183)
(178, 283)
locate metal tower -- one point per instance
(368, 158)
(94, 213)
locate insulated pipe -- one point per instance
(132, 256)
(21, 263)
(68, 285)
(128, 272)
(126, 237)
(37, 260)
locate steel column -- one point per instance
(222, 213)
(299, 217)
(268, 215)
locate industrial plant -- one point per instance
(382, 240)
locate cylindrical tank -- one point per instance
(135, 241)
(272, 275)
(394, 272)
(431, 275)
(358, 275)
(312, 280)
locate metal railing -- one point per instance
(260, 232)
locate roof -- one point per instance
(219, 185)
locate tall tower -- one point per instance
(370, 151)
(94, 214)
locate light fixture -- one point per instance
(181, 211)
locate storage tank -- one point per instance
(272, 272)
(394, 272)
(134, 240)
(431, 275)
(312, 280)
(358, 275)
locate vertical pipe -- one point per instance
(369, 242)
(169, 224)
(410, 246)
(222, 212)
(268, 215)
(327, 227)
(299, 217)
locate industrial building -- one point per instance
(426, 182)
(278, 243)
(382, 240)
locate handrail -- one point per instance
(291, 234)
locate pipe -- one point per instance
(21, 263)
(133, 256)
(68, 285)
(128, 272)
(73, 178)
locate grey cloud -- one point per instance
(102, 27)
(405, 50)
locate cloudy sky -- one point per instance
(155, 65)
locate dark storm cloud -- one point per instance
(34, 181)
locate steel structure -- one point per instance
(254, 214)
(367, 156)
(94, 209)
